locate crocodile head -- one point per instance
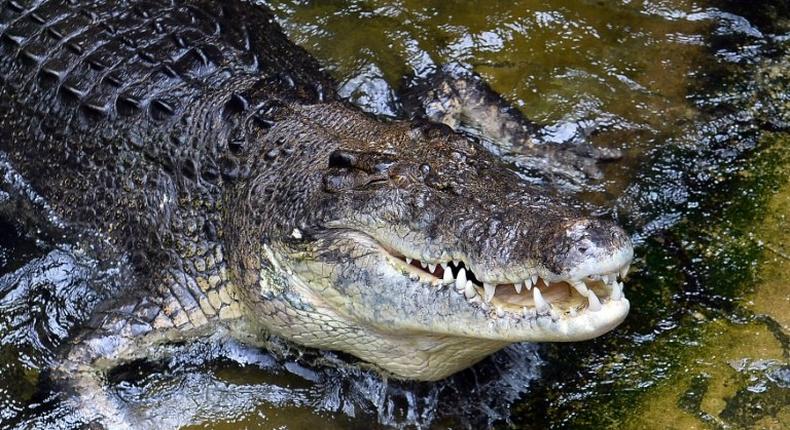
(421, 253)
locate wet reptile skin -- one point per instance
(193, 140)
(134, 117)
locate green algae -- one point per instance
(712, 389)
(709, 342)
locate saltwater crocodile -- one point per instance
(194, 144)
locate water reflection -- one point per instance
(233, 384)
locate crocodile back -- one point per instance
(133, 116)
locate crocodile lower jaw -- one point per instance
(561, 310)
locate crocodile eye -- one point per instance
(342, 159)
(336, 180)
(375, 180)
(350, 170)
(370, 162)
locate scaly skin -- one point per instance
(214, 158)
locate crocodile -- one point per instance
(193, 144)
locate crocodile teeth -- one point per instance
(540, 303)
(482, 295)
(448, 276)
(580, 287)
(469, 290)
(595, 304)
(624, 270)
(460, 281)
(617, 291)
(490, 291)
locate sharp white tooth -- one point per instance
(469, 290)
(540, 304)
(580, 287)
(447, 277)
(408, 260)
(444, 266)
(456, 263)
(431, 268)
(460, 281)
(490, 291)
(500, 312)
(534, 279)
(624, 270)
(528, 284)
(595, 304)
(617, 291)
(422, 263)
(518, 286)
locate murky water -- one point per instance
(696, 95)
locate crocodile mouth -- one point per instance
(528, 298)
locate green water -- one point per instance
(695, 93)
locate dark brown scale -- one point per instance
(68, 27)
(38, 18)
(33, 54)
(20, 32)
(237, 104)
(54, 70)
(95, 109)
(15, 6)
(71, 92)
(162, 109)
(96, 63)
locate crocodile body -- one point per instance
(193, 143)
(133, 119)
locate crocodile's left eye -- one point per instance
(336, 180)
(348, 170)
